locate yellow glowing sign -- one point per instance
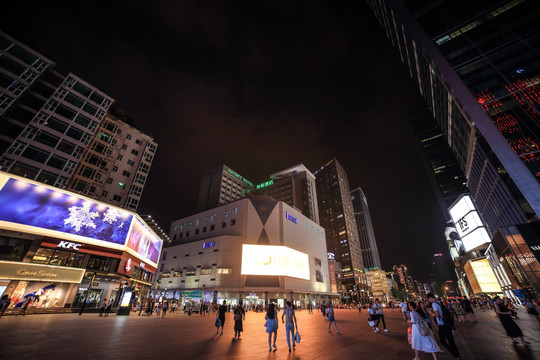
(485, 276)
(274, 260)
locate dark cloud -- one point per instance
(260, 87)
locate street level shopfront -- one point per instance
(45, 229)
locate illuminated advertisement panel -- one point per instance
(469, 225)
(31, 208)
(485, 277)
(274, 260)
(42, 210)
(144, 241)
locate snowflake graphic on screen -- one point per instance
(112, 215)
(80, 216)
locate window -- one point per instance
(134, 152)
(138, 142)
(233, 222)
(109, 181)
(124, 147)
(99, 263)
(117, 198)
(126, 173)
(177, 274)
(224, 270)
(128, 137)
(224, 224)
(206, 271)
(104, 193)
(115, 168)
(131, 162)
(120, 157)
(191, 272)
(164, 256)
(196, 231)
(212, 227)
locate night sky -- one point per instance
(259, 87)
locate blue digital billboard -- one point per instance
(25, 203)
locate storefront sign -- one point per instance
(274, 260)
(208, 244)
(69, 245)
(191, 294)
(469, 225)
(35, 272)
(290, 217)
(127, 267)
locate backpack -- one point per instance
(446, 315)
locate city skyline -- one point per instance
(210, 96)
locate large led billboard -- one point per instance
(274, 260)
(38, 209)
(469, 225)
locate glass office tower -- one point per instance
(477, 65)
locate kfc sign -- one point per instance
(69, 245)
(128, 265)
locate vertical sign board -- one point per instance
(469, 225)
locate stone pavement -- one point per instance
(179, 336)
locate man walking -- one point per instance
(289, 318)
(403, 306)
(378, 311)
(444, 323)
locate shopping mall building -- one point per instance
(253, 250)
(57, 247)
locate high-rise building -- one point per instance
(445, 173)
(441, 272)
(48, 116)
(116, 164)
(366, 234)
(221, 186)
(477, 67)
(56, 129)
(336, 215)
(294, 186)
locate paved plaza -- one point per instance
(180, 336)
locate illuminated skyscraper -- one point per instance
(336, 214)
(368, 243)
(477, 66)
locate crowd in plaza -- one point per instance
(431, 321)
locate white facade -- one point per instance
(207, 252)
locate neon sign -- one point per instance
(291, 218)
(237, 175)
(265, 184)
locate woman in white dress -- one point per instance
(421, 342)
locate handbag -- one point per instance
(217, 323)
(297, 337)
(265, 324)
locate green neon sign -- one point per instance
(237, 175)
(265, 184)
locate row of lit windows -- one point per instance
(205, 229)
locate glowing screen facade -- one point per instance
(42, 210)
(274, 260)
(469, 225)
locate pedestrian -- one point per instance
(422, 339)
(289, 319)
(164, 309)
(103, 306)
(221, 316)
(24, 306)
(444, 324)
(271, 325)
(377, 307)
(141, 307)
(108, 308)
(460, 313)
(4, 303)
(158, 309)
(323, 309)
(239, 317)
(529, 304)
(403, 306)
(467, 306)
(509, 325)
(332, 318)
